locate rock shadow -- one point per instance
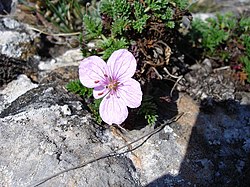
(218, 150)
(159, 93)
(5, 7)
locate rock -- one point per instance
(62, 68)
(238, 7)
(11, 68)
(243, 98)
(155, 158)
(15, 89)
(62, 75)
(203, 83)
(203, 16)
(47, 130)
(69, 58)
(18, 47)
(17, 40)
(218, 143)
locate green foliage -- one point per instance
(87, 94)
(219, 36)
(151, 119)
(117, 24)
(77, 88)
(246, 61)
(211, 35)
(94, 107)
(110, 45)
(140, 17)
(57, 15)
(244, 24)
(148, 109)
(246, 42)
(115, 8)
(164, 10)
(181, 4)
(93, 27)
(122, 22)
(64, 14)
(219, 30)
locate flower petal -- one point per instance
(130, 92)
(100, 91)
(113, 110)
(122, 64)
(92, 70)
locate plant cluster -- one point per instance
(76, 87)
(65, 15)
(147, 28)
(225, 38)
(148, 107)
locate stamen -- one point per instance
(96, 81)
(105, 75)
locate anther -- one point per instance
(96, 81)
(100, 93)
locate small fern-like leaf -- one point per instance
(148, 109)
(77, 88)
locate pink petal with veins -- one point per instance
(91, 71)
(130, 91)
(122, 64)
(113, 110)
(100, 92)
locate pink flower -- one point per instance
(112, 80)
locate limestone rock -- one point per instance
(17, 40)
(18, 47)
(47, 130)
(15, 89)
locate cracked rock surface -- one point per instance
(47, 130)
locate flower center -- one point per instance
(113, 84)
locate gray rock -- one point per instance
(17, 40)
(11, 68)
(203, 83)
(211, 7)
(69, 59)
(225, 133)
(18, 47)
(15, 89)
(47, 130)
(159, 156)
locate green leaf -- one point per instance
(77, 88)
(119, 26)
(110, 45)
(94, 107)
(92, 26)
(148, 109)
